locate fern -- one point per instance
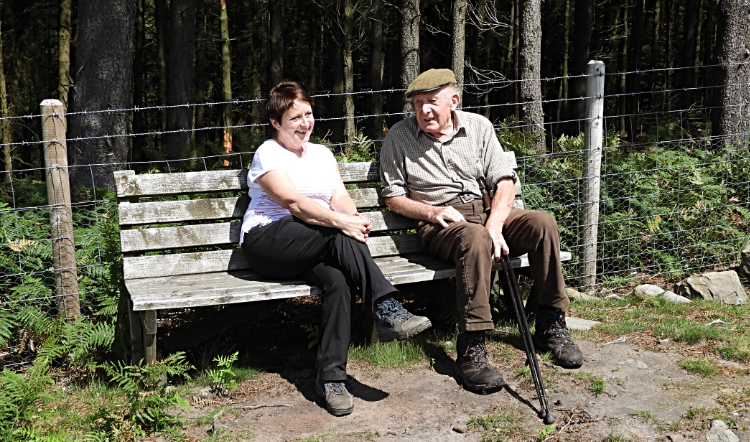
(7, 325)
(223, 377)
(146, 391)
(21, 394)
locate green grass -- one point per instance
(596, 384)
(503, 423)
(700, 367)
(645, 415)
(682, 323)
(613, 437)
(394, 354)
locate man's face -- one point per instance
(434, 110)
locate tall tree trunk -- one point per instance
(410, 18)
(377, 122)
(347, 27)
(562, 94)
(104, 75)
(459, 41)
(276, 51)
(63, 71)
(691, 20)
(709, 46)
(531, 86)
(136, 149)
(516, 62)
(162, 23)
(337, 101)
(729, 119)
(623, 62)
(181, 73)
(226, 79)
(655, 49)
(669, 23)
(636, 51)
(4, 124)
(579, 59)
(197, 137)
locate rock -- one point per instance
(723, 287)
(648, 290)
(720, 433)
(744, 268)
(676, 438)
(575, 295)
(205, 393)
(579, 323)
(674, 297)
(613, 296)
(460, 428)
(637, 364)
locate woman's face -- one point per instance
(296, 126)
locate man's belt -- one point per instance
(461, 198)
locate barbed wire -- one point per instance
(328, 94)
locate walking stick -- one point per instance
(523, 328)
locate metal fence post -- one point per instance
(60, 214)
(594, 141)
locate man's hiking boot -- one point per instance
(472, 365)
(552, 336)
(392, 321)
(339, 402)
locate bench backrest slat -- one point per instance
(224, 260)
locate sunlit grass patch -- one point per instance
(687, 324)
(645, 415)
(500, 425)
(700, 367)
(390, 354)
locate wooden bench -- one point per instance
(179, 236)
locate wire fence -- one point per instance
(673, 202)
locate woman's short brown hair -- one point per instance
(282, 97)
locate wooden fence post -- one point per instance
(592, 173)
(60, 213)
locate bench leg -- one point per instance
(136, 333)
(148, 323)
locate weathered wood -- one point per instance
(129, 184)
(217, 288)
(152, 266)
(158, 212)
(594, 140)
(216, 234)
(60, 213)
(157, 184)
(360, 172)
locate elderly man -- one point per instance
(430, 164)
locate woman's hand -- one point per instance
(356, 226)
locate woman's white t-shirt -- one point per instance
(312, 175)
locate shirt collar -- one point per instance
(458, 126)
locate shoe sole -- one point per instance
(542, 348)
(389, 336)
(333, 411)
(473, 387)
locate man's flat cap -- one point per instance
(430, 81)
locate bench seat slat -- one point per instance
(202, 289)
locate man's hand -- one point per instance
(498, 242)
(444, 215)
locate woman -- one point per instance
(301, 222)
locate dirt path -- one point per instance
(426, 403)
